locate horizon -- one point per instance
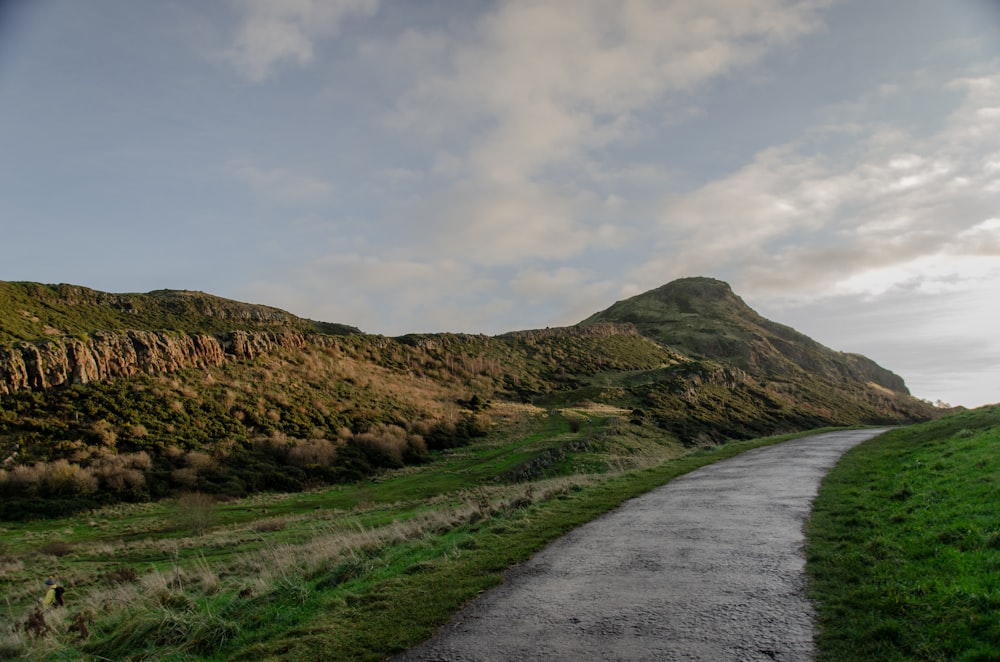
(482, 167)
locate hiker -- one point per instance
(54, 594)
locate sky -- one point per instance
(484, 166)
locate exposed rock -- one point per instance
(40, 365)
(250, 344)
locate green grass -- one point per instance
(904, 545)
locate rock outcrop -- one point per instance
(40, 365)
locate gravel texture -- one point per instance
(707, 567)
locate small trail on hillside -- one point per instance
(707, 567)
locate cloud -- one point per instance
(885, 242)
(932, 335)
(278, 184)
(535, 285)
(494, 224)
(395, 293)
(893, 208)
(273, 33)
(518, 107)
(534, 84)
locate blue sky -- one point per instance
(474, 166)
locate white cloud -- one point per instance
(536, 84)
(278, 183)
(517, 105)
(395, 293)
(276, 32)
(537, 285)
(793, 221)
(492, 224)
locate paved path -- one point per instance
(707, 567)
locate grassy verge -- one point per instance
(904, 545)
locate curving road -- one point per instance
(707, 567)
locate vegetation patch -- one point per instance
(904, 545)
(358, 571)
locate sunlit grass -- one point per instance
(904, 545)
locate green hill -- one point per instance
(107, 397)
(703, 318)
(30, 311)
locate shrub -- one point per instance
(123, 575)
(269, 525)
(56, 548)
(319, 452)
(195, 511)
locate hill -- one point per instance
(703, 318)
(107, 397)
(30, 311)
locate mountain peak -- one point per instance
(682, 299)
(703, 318)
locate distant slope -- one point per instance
(31, 311)
(703, 318)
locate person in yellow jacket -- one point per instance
(54, 594)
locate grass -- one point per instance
(904, 545)
(353, 572)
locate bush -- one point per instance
(196, 511)
(123, 575)
(56, 548)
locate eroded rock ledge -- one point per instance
(100, 356)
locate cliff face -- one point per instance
(34, 366)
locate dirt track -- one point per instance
(708, 567)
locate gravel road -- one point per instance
(707, 567)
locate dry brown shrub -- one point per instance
(321, 452)
(198, 460)
(173, 453)
(116, 472)
(389, 439)
(269, 525)
(56, 548)
(81, 624)
(196, 511)
(123, 575)
(23, 479)
(85, 482)
(141, 460)
(104, 432)
(61, 477)
(36, 625)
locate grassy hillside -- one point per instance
(336, 410)
(703, 318)
(904, 545)
(340, 409)
(29, 311)
(329, 409)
